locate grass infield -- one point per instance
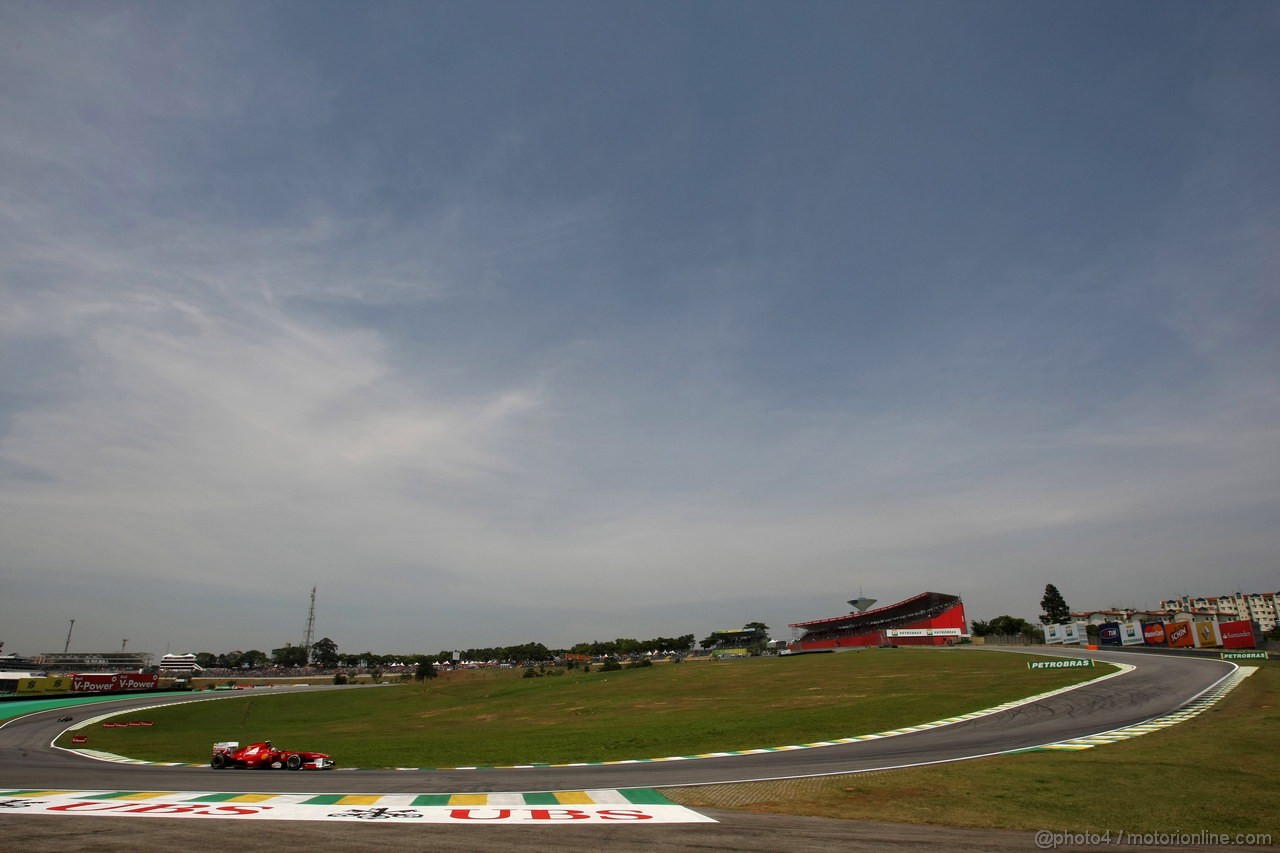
(1215, 773)
(497, 717)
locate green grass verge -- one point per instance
(496, 717)
(1216, 773)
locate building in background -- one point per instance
(1256, 607)
(94, 661)
(928, 619)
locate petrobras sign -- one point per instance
(1252, 654)
(1131, 634)
(924, 632)
(1074, 663)
(1237, 635)
(1074, 632)
(1052, 634)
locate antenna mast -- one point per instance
(69, 630)
(311, 624)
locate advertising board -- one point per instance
(93, 683)
(1052, 634)
(1075, 632)
(112, 682)
(1109, 634)
(1153, 633)
(137, 681)
(30, 686)
(1238, 635)
(1131, 633)
(1181, 634)
(1207, 635)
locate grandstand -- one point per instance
(179, 665)
(94, 661)
(928, 619)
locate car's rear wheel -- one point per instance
(294, 762)
(219, 761)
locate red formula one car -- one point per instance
(264, 756)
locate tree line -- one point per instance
(1054, 611)
(324, 654)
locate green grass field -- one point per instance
(1214, 773)
(496, 717)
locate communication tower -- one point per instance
(311, 624)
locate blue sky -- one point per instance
(509, 322)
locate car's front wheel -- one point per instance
(294, 762)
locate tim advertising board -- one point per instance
(1181, 635)
(1153, 633)
(1238, 635)
(1109, 634)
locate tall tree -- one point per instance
(1010, 626)
(290, 655)
(325, 653)
(1054, 606)
(425, 670)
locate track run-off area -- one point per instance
(1148, 693)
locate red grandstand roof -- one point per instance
(869, 615)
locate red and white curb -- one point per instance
(564, 808)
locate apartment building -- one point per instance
(1260, 607)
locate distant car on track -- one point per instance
(264, 756)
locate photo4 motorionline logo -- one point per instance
(1047, 840)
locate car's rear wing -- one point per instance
(226, 746)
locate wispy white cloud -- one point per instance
(510, 372)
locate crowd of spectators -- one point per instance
(301, 672)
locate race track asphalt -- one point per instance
(1157, 685)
